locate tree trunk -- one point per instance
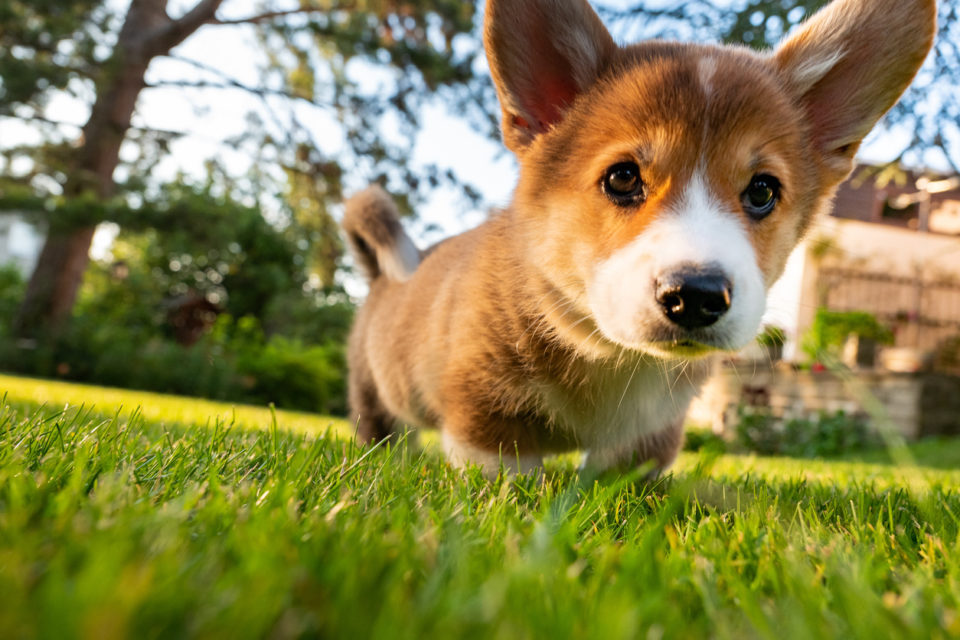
(147, 33)
(56, 279)
(53, 287)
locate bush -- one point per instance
(12, 287)
(947, 355)
(293, 375)
(757, 431)
(830, 330)
(111, 356)
(167, 367)
(829, 434)
(703, 440)
(234, 362)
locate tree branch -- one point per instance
(62, 123)
(261, 94)
(41, 119)
(176, 31)
(269, 16)
(229, 84)
(266, 17)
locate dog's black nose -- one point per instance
(694, 299)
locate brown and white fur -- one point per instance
(551, 326)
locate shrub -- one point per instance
(12, 287)
(235, 362)
(947, 355)
(828, 434)
(757, 431)
(293, 375)
(703, 440)
(830, 330)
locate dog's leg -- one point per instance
(461, 453)
(660, 448)
(371, 419)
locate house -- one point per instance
(20, 242)
(890, 247)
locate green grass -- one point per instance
(188, 518)
(161, 408)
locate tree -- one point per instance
(189, 242)
(51, 46)
(83, 47)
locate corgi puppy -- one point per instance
(662, 187)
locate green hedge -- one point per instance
(827, 434)
(224, 365)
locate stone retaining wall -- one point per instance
(916, 404)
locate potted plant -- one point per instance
(824, 341)
(772, 340)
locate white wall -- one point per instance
(902, 252)
(857, 245)
(20, 242)
(784, 300)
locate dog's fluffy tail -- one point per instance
(377, 240)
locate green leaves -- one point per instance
(830, 329)
(43, 45)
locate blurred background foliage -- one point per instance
(230, 284)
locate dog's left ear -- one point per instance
(542, 54)
(849, 64)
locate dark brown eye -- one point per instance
(622, 184)
(761, 196)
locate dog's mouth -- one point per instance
(674, 343)
(685, 348)
(667, 343)
(690, 345)
(681, 349)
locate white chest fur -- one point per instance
(619, 406)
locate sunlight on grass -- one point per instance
(168, 409)
(158, 407)
(837, 472)
(180, 526)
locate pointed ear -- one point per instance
(850, 63)
(542, 54)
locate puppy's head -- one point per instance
(664, 185)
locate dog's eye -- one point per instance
(761, 196)
(622, 184)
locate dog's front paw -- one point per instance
(508, 460)
(600, 465)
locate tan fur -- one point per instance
(493, 338)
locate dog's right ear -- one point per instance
(542, 54)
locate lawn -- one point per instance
(186, 518)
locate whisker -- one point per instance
(627, 387)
